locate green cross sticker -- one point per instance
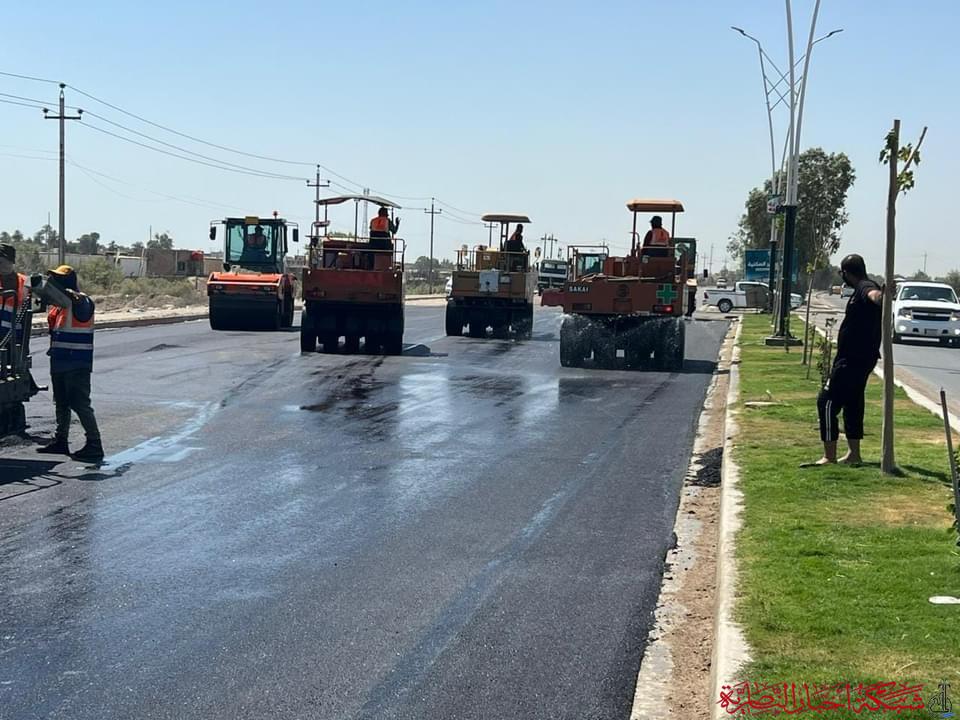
(666, 294)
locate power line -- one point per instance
(188, 151)
(254, 173)
(191, 137)
(29, 77)
(28, 99)
(33, 106)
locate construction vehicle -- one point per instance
(493, 288)
(16, 384)
(255, 290)
(353, 286)
(551, 273)
(627, 311)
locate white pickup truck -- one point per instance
(926, 310)
(745, 294)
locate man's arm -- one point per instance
(82, 306)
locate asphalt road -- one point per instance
(466, 531)
(924, 365)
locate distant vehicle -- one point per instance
(551, 273)
(722, 282)
(926, 310)
(846, 291)
(745, 294)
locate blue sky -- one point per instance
(559, 110)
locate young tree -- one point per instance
(952, 278)
(46, 236)
(900, 182)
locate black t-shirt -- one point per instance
(858, 340)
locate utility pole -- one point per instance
(431, 212)
(711, 259)
(924, 263)
(490, 227)
(318, 184)
(62, 249)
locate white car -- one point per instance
(926, 310)
(846, 291)
(745, 294)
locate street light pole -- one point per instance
(432, 213)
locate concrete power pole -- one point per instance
(62, 117)
(316, 215)
(490, 227)
(431, 212)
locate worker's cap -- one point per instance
(62, 271)
(8, 251)
(656, 220)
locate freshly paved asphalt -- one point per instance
(466, 531)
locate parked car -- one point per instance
(745, 294)
(846, 291)
(928, 311)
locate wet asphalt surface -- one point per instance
(466, 531)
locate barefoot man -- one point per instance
(858, 349)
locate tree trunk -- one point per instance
(808, 343)
(888, 461)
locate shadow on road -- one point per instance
(31, 475)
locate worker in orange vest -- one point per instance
(71, 364)
(10, 279)
(382, 228)
(656, 236)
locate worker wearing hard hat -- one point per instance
(71, 364)
(10, 305)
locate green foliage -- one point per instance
(905, 178)
(823, 183)
(89, 243)
(952, 278)
(162, 241)
(99, 276)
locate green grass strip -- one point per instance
(837, 563)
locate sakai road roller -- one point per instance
(353, 285)
(254, 290)
(627, 311)
(493, 287)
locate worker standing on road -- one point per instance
(858, 349)
(656, 236)
(10, 279)
(71, 364)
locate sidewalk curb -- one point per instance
(41, 330)
(730, 649)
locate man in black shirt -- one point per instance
(858, 349)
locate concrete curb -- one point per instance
(730, 649)
(41, 330)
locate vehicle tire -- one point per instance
(287, 320)
(331, 343)
(393, 344)
(372, 344)
(724, 306)
(571, 353)
(454, 321)
(525, 327)
(275, 318)
(477, 329)
(308, 334)
(217, 321)
(351, 344)
(675, 341)
(897, 338)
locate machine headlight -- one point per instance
(904, 312)
(955, 316)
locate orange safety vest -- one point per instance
(71, 341)
(659, 237)
(380, 224)
(11, 306)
